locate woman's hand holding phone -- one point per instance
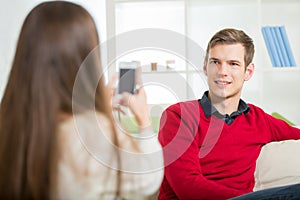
(135, 101)
(137, 104)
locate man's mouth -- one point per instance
(223, 83)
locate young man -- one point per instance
(211, 144)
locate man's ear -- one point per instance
(249, 71)
(205, 67)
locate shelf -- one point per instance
(279, 1)
(164, 72)
(222, 2)
(280, 69)
(172, 71)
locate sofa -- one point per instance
(278, 165)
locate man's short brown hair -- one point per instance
(233, 36)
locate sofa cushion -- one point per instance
(278, 164)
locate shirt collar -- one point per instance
(209, 109)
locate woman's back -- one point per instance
(87, 169)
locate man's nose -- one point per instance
(223, 69)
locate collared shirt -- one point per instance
(209, 109)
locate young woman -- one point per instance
(58, 138)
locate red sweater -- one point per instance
(207, 159)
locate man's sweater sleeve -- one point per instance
(281, 130)
(181, 158)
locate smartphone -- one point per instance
(127, 77)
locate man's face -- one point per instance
(225, 71)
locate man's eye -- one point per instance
(214, 62)
(235, 64)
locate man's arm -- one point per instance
(281, 130)
(179, 138)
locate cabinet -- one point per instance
(273, 89)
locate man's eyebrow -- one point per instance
(235, 61)
(216, 59)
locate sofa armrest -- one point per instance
(278, 165)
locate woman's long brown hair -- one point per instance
(55, 39)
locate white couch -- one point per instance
(278, 165)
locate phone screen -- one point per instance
(127, 80)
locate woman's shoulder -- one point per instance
(85, 122)
(88, 130)
(94, 130)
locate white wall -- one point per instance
(12, 15)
